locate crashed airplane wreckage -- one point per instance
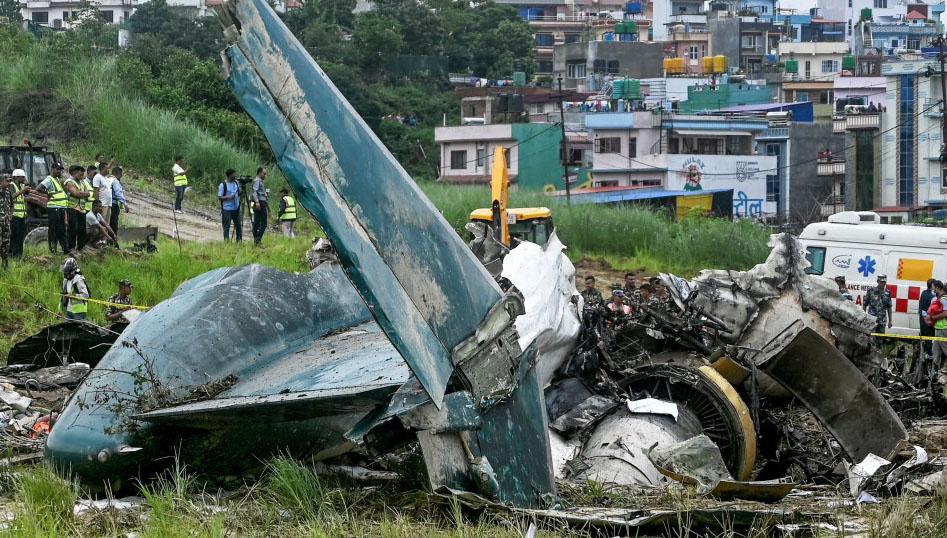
(409, 338)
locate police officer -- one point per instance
(6, 215)
(56, 207)
(619, 313)
(878, 304)
(287, 214)
(842, 289)
(18, 223)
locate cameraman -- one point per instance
(258, 196)
(228, 193)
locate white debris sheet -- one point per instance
(546, 278)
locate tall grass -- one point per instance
(44, 504)
(138, 134)
(36, 278)
(625, 234)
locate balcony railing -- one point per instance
(755, 49)
(832, 205)
(831, 168)
(838, 124)
(774, 132)
(857, 122)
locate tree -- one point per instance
(422, 28)
(171, 26)
(10, 10)
(377, 38)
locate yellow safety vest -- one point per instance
(76, 306)
(290, 213)
(19, 206)
(57, 197)
(86, 186)
(180, 180)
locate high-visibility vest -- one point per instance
(76, 306)
(57, 197)
(86, 186)
(290, 213)
(180, 180)
(19, 206)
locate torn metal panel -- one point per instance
(843, 399)
(63, 343)
(421, 282)
(314, 335)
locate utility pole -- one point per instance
(943, 101)
(565, 154)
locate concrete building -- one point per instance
(745, 41)
(817, 60)
(883, 12)
(677, 152)
(713, 97)
(62, 14)
(912, 177)
(692, 45)
(872, 89)
(533, 157)
(802, 187)
(586, 66)
(669, 13)
(912, 33)
(570, 21)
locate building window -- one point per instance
(829, 66)
(772, 188)
(750, 42)
(537, 108)
(608, 145)
(632, 147)
(825, 98)
(802, 96)
(914, 44)
(573, 38)
(458, 160)
(707, 146)
(125, 15)
(906, 133)
(108, 15)
(575, 69)
(881, 4)
(481, 157)
(544, 66)
(545, 40)
(703, 51)
(849, 3)
(808, 71)
(41, 17)
(894, 43)
(612, 67)
(692, 52)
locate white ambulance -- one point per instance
(856, 246)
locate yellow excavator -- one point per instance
(533, 224)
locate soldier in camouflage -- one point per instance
(6, 217)
(878, 304)
(594, 303)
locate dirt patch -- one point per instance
(930, 434)
(605, 275)
(193, 225)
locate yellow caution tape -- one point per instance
(911, 337)
(106, 303)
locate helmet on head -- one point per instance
(19, 173)
(69, 265)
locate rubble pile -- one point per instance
(30, 401)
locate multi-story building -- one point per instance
(912, 176)
(817, 60)
(687, 14)
(533, 153)
(680, 152)
(910, 34)
(808, 181)
(883, 12)
(691, 44)
(64, 13)
(745, 41)
(571, 21)
(587, 65)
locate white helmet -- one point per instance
(19, 173)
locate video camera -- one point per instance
(244, 180)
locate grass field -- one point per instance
(293, 502)
(36, 278)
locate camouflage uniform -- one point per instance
(117, 299)
(877, 303)
(6, 217)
